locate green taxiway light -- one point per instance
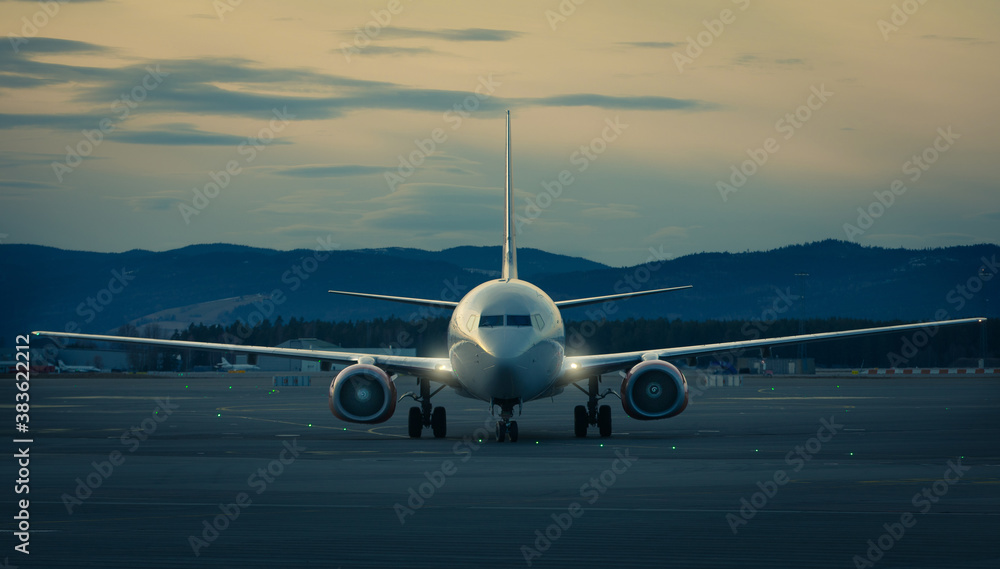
(310, 424)
(219, 415)
(673, 448)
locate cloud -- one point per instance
(9, 81)
(28, 185)
(181, 134)
(241, 87)
(458, 35)
(392, 50)
(330, 171)
(429, 209)
(957, 39)
(151, 203)
(50, 45)
(670, 232)
(992, 215)
(650, 44)
(756, 61)
(58, 122)
(14, 159)
(612, 102)
(610, 212)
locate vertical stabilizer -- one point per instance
(509, 249)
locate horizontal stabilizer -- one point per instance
(598, 299)
(419, 301)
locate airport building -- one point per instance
(118, 360)
(777, 366)
(275, 363)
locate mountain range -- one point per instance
(55, 289)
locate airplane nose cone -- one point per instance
(505, 343)
(504, 380)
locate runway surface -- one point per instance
(819, 466)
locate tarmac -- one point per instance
(224, 470)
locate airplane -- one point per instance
(63, 368)
(507, 347)
(226, 366)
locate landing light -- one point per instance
(573, 366)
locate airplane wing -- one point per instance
(576, 368)
(435, 369)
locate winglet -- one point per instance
(509, 249)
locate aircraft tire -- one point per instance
(439, 423)
(604, 420)
(580, 421)
(415, 422)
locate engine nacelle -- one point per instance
(362, 393)
(654, 389)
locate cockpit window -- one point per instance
(518, 320)
(490, 321)
(497, 320)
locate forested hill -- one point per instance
(47, 288)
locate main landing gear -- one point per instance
(426, 415)
(505, 427)
(592, 414)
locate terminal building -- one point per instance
(777, 366)
(118, 360)
(277, 363)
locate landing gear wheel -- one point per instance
(501, 431)
(580, 421)
(604, 420)
(439, 423)
(416, 422)
(512, 431)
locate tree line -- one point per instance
(930, 347)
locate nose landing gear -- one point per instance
(505, 427)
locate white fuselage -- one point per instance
(506, 341)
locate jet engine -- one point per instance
(362, 393)
(654, 389)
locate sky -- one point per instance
(638, 128)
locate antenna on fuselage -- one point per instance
(509, 249)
